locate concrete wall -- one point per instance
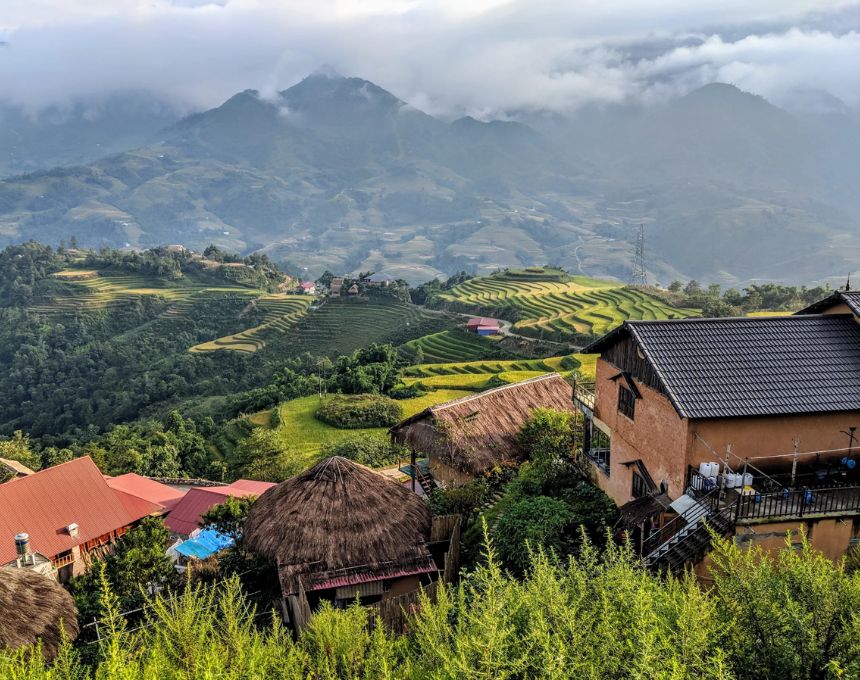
(756, 437)
(657, 435)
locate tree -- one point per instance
(18, 448)
(533, 523)
(547, 437)
(228, 518)
(137, 567)
(675, 287)
(787, 615)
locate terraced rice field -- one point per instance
(555, 308)
(344, 325)
(475, 375)
(89, 291)
(281, 313)
(451, 346)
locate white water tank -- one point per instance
(730, 479)
(748, 479)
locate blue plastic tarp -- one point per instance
(205, 544)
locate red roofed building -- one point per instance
(482, 326)
(187, 514)
(146, 489)
(69, 512)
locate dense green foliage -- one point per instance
(373, 450)
(792, 616)
(714, 302)
(360, 410)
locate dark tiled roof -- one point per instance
(850, 298)
(720, 368)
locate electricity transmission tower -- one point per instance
(639, 277)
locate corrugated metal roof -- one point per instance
(147, 489)
(722, 368)
(45, 503)
(186, 515)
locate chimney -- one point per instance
(72, 529)
(22, 548)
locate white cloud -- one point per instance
(484, 57)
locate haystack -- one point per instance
(338, 515)
(475, 433)
(34, 607)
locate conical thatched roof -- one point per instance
(338, 515)
(34, 607)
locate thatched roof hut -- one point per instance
(339, 517)
(34, 607)
(475, 433)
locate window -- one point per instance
(598, 450)
(626, 402)
(640, 488)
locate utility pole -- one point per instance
(639, 276)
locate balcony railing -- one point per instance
(64, 561)
(583, 392)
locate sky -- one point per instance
(486, 58)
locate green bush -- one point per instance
(361, 410)
(570, 363)
(373, 450)
(533, 523)
(460, 500)
(408, 391)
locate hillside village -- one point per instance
(665, 435)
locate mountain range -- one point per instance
(337, 173)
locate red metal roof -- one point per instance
(45, 503)
(482, 321)
(147, 489)
(186, 515)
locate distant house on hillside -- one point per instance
(466, 437)
(746, 425)
(378, 280)
(69, 514)
(186, 516)
(341, 532)
(12, 468)
(335, 286)
(308, 288)
(175, 248)
(353, 290)
(482, 326)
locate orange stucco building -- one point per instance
(751, 425)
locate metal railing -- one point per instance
(798, 503)
(700, 509)
(583, 392)
(598, 456)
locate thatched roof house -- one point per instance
(340, 524)
(34, 607)
(475, 433)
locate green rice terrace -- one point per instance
(480, 375)
(341, 326)
(452, 346)
(82, 291)
(281, 313)
(546, 302)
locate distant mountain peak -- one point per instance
(326, 71)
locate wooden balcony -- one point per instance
(583, 396)
(64, 561)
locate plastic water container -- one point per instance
(715, 469)
(748, 479)
(731, 480)
(705, 469)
